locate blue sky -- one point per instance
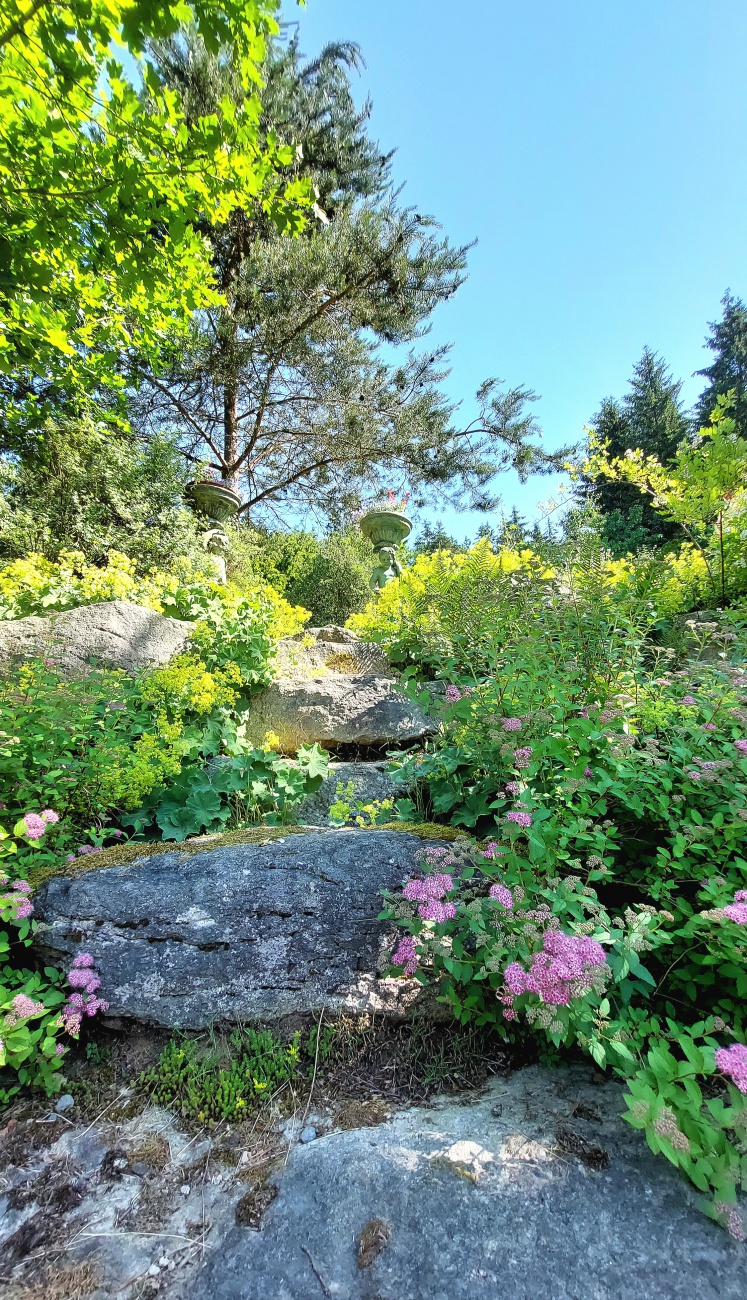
(596, 151)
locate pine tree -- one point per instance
(284, 389)
(650, 416)
(728, 372)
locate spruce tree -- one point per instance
(650, 416)
(728, 372)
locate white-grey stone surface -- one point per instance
(115, 633)
(240, 932)
(335, 710)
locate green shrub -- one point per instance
(328, 576)
(610, 908)
(95, 489)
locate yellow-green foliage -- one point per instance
(36, 585)
(671, 583)
(445, 604)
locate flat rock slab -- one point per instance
(115, 633)
(238, 933)
(332, 710)
(481, 1202)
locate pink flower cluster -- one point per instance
(732, 1061)
(503, 895)
(491, 850)
(453, 694)
(741, 745)
(520, 818)
(688, 699)
(512, 724)
(36, 823)
(429, 893)
(523, 757)
(17, 898)
(737, 911)
(23, 1008)
(565, 968)
(405, 955)
(85, 1003)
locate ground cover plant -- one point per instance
(599, 897)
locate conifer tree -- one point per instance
(285, 390)
(728, 371)
(650, 416)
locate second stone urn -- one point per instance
(386, 529)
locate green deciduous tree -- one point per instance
(103, 189)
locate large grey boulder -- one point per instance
(482, 1202)
(359, 782)
(337, 710)
(321, 651)
(238, 932)
(114, 633)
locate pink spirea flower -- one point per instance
(24, 1007)
(117, 833)
(523, 757)
(83, 959)
(436, 911)
(433, 887)
(710, 726)
(491, 850)
(453, 694)
(503, 896)
(737, 912)
(85, 848)
(562, 970)
(50, 816)
(740, 896)
(405, 955)
(688, 699)
(520, 818)
(35, 826)
(60, 1050)
(25, 908)
(732, 1061)
(512, 724)
(588, 772)
(21, 887)
(70, 857)
(513, 787)
(741, 745)
(79, 979)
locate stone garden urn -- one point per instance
(385, 529)
(217, 503)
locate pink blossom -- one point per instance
(117, 833)
(513, 787)
(688, 699)
(512, 724)
(520, 818)
(432, 887)
(588, 772)
(21, 886)
(741, 745)
(70, 857)
(79, 979)
(491, 850)
(737, 912)
(740, 896)
(523, 757)
(453, 694)
(503, 896)
(732, 1061)
(405, 955)
(60, 1050)
(49, 816)
(564, 969)
(24, 909)
(710, 726)
(83, 959)
(24, 1007)
(436, 911)
(35, 826)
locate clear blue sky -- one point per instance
(596, 151)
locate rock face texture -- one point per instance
(114, 633)
(369, 781)
(238, 933)
(334, 689)
(337, 710)
(481, 1202)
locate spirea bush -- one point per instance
(609, 908)
(41, 1011)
